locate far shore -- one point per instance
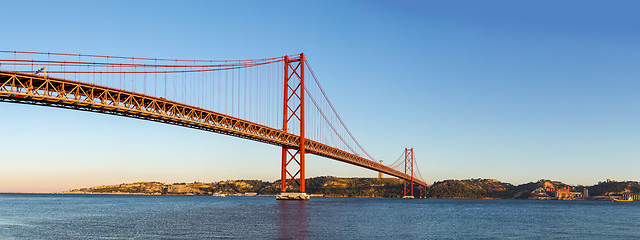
(312, 195)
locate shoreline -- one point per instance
(317, 196)
(329, 186)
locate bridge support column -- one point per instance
(293, 113)
(408, 169)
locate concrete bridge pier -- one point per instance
(293, 196)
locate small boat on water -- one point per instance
(623, 200)
(218, 195)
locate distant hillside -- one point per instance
(367, 187)
(615, 188)
(327, 186)
(139, 187)
(524, 191)
(490, 188)
(470, 188)
(355, 187)
(240, 186)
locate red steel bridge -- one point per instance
(264, 100)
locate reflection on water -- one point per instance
(292, 220)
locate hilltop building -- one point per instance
(563, 193)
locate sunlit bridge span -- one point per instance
(277, 100)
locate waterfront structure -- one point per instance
(634, 197)
(166, 189)
(562, 193)
(585, 193)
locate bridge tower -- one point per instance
(293, 158)
(423, 191)
(408, 169)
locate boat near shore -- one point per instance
(623, 200)
(218, 195)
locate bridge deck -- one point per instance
(25, 88)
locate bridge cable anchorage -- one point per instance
(241, 98)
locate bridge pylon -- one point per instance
(408, 169)
(423, 191)
(293, 112)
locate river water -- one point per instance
(51, 216)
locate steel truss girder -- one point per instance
(32, 89)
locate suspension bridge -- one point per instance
(264, 100)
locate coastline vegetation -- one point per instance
(365, 187)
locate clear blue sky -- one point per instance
(516, 91)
